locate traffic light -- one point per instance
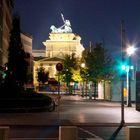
(123, 67)
(123, 70)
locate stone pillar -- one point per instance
(132, 133)
(4, 133)
(68, 133)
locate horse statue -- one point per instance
(66, 28)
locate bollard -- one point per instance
(4, 133)
(68, 133)
(132, 132)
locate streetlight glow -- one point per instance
(130, 50)
(83, 65)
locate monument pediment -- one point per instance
(50, 59)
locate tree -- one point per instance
(17, 64)
(42, 75)
(99, 64)
(70, 63)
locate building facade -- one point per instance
(39, 53)
(27, 45)
(5, 27)
(60, 44)
(57, 46)
(62, 41)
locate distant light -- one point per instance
(83, 65)
(130, 50)
(4, 75)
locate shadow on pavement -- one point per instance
(114, 135)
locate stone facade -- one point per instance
(27, 45)
(39, 53)
(5, 27)
(57, 46)
(60, 44)
(49, 64)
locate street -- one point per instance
(93, 118)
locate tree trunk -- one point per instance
(95, 88)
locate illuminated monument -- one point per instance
(61, 42)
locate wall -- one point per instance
(116, 90)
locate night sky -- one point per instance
(93, 20)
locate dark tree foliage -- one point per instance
(11, 3)
(42, 75)
(17, 64)
(99, 63)
(84, 74)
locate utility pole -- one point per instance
(123, 47)
(90, 46)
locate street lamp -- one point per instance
(130, 51)
(83, 65)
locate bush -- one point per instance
(24, 100)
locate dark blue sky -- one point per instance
(93, 20)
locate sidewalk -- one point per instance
(104, 112)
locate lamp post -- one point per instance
(123, 43)
(130, 51)
(83, 66)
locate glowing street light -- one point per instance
(130, 50)
(82, 65)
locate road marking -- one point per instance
(92, 134)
